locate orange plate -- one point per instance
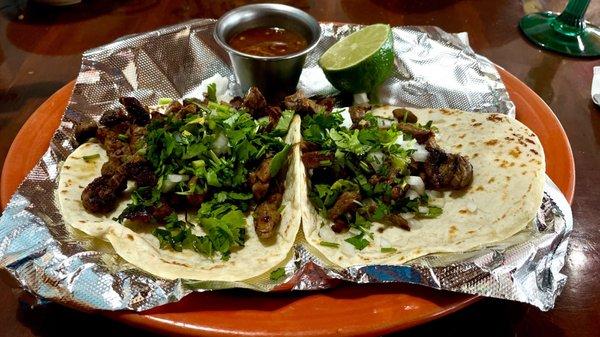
(345, 310)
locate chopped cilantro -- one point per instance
(278, 160)
(388, 249)
(358, 241)
(329, 244)
(211, 92)
(91, 157)
(277, 274)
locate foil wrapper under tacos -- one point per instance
(55, 263)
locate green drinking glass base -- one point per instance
(544, 30)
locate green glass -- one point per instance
(566, 33)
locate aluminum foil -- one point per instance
(434, 69)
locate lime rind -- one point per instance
(355, 48)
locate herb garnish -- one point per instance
(209, 152)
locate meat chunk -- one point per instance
(259, 190)
(446, 170)
(421, 135)
(327, 102)
(404, 115)
(340, 226)
(137, 112)
(113, 117)
(274, 113)
(301, 105)
(397, 220)
(102, 194)
(112, 166)
(254, 101)
(237, 102)
(316, 159)
(266, 219)
(259, 179)
(85, 130)
(114, 146)
(139, 170)
(358, 112)
(345, 203)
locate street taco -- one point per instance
(386, 185)
(197, 189)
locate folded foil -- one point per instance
(434, 69)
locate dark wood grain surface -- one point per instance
(40, 51)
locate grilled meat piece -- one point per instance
(137, 112)
(112, 166)
(421, 135)
(398, 221)
(113, 117)
(398, 191)
(237, 102)
(259, 179)
(102, 194)
(404, 115)
(138, 214)
(85, 130)
(139, 170)
(315, 159)
(161, 211)
(114, 146)
(340, 226)
(267, 217)
(328, 102)
(446, 170)
(306, 146)
(274, 113)
(259, 190)
(186, 110)
(300, 104)
(195, 200)
(358, 112)
(173, 108)
(345, 203)
(254, 101)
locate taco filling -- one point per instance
(376, 169)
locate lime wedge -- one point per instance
(360, 61)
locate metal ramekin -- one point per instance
(275, 76)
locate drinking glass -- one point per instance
(566, 33)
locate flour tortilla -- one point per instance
(508, 180)
(140, 248)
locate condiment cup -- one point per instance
(275, 76)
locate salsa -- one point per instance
(268, 41)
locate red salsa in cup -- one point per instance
(268, 41)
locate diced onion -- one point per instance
(345, 113)
(360, 98)
(347, 248)
(421, 154)
(176, 178)
(220, 145)
(407, 216)
(423, 209)
(416, 183)
(326, 233)
(412, 194)
(385, 123)
(435, 194)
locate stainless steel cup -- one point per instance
(275, 76)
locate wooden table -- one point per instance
(40, 51)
